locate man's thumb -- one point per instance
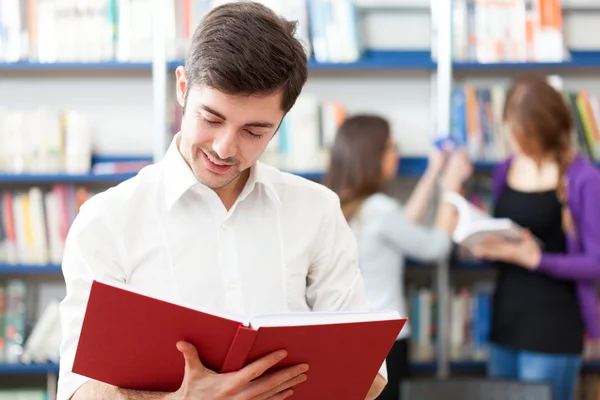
(190, 355)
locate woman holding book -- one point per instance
(545, 299)
(363, 162)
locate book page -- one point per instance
(321, 318)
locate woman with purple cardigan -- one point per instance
(545, 300)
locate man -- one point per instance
(210, 225)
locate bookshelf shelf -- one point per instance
(19, 269)
(409, 166)
(28, 369)
(371, 60)
(423, 366)
(62, 178)
(70, 66)
(378, 60)
(469, 265)
(481, 365)
(579, 60)
(467, 365)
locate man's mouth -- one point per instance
(213, 165)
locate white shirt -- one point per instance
(284, 246)
(385, 239)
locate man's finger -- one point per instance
(282, 395)
(190, 355)
(277, 381)
(289, 384)
(258, 367)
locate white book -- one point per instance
(474, 225)
(39, 255)
(42, 343)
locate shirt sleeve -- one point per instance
(334, 281)
(91, 252)
(584, 265)
(413, 240)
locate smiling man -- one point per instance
(210, 225)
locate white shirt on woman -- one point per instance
(385, 239)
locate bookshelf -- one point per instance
(29, 369)
(580, 59)
(371, 60)
(6, 178)
(27, 269)
(405, 63)
(21, 66)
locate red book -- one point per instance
(128, 340)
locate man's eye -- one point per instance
(208, 121)
(253, 135)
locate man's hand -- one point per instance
(201, 383)
(376, 388)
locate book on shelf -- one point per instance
(128, 339)
(34, 223)
(44, 140)
(423, 319)
(122, 30)
(476, 120)
(29, 334)
(470, 322)
(487, 31)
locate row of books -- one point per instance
(45, 140)
(470, 316)
(508, 31)
(18, 342)
(76, 31)
(329, 29)
(476, 115)
(34, 223)
(104, 30)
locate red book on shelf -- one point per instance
(128, 340)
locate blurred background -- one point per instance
(87, 98)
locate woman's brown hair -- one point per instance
(355, 166)
(542, 124)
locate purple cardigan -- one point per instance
(581, 263)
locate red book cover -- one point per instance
(128, 340)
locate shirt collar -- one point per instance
(179, 178)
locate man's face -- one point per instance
(224, 135)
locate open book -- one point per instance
(128, 340)
(473, 224)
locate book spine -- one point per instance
(239, 349)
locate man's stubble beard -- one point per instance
(197, 167)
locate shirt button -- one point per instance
(234, 285)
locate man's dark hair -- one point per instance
(245, 49)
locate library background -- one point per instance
(87, 99)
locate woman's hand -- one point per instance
(525, 252)
(457, 171)
(437, 161)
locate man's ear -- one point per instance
(181, 85)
